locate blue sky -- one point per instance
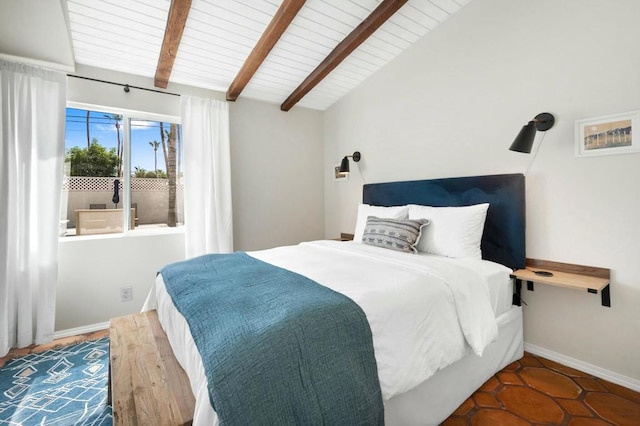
(104, 130)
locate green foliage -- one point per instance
(160, 174)
(140, 172)
(96, 160)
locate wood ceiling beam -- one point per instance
(178, 13)
(278, 25)
(379, 16)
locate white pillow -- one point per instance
(365, 210)
(453, 232)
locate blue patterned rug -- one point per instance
(65, 386)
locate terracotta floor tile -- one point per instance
(531, 405)
(584, 421)
(574, 408)
(512, 367)
(519, 389)
(489, 417)
(509, 379)
(490, 384)
(550, 382)
(614, 408)
(464, 408)
(530, 361)
(621, 391)
(486, 399)
(589, 384)
(562, 368)
(455, 421)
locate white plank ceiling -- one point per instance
(126, 36)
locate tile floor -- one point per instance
(530, 391)
(537, 391)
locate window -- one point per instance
(123, 172)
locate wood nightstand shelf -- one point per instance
(345, 237)
(577, 277)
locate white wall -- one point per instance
(277, 191)
(451, 106)
(277, 175)
(91, 271)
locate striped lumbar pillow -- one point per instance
(395, 234)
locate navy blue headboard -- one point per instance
(503, 240)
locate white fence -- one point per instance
(149, 196)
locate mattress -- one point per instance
(498, 280)
(495, 277)
(431, 402)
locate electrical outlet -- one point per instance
(126, 294)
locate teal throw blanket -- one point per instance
(277, 347)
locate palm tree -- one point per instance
(179, 149)
(164, 146)
(117, 118)
(88, 138)
(155, 145)
(171, 174)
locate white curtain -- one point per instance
(207, 176)
(32, 114)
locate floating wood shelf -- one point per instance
(577, 277)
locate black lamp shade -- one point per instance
(524, 141)
(344, 166)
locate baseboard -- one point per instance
(594, 370)
(81, 330)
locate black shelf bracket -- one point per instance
(606, 296)
(517, 299)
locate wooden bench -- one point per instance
(147, 385)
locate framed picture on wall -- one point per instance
(610, 134)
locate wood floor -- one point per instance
(531, 391)
(58, 343)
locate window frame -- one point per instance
(127, 116)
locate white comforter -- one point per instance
(424, 312)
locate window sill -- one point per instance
(128, 234)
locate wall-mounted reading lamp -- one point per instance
(344, 166)
(524, 141)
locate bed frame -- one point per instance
(503, 239)
(135, 384)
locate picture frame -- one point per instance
(608, 135)
(337, 176)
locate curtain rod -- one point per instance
(126, 86)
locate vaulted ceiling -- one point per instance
(291, 52)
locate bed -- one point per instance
(428, 360)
